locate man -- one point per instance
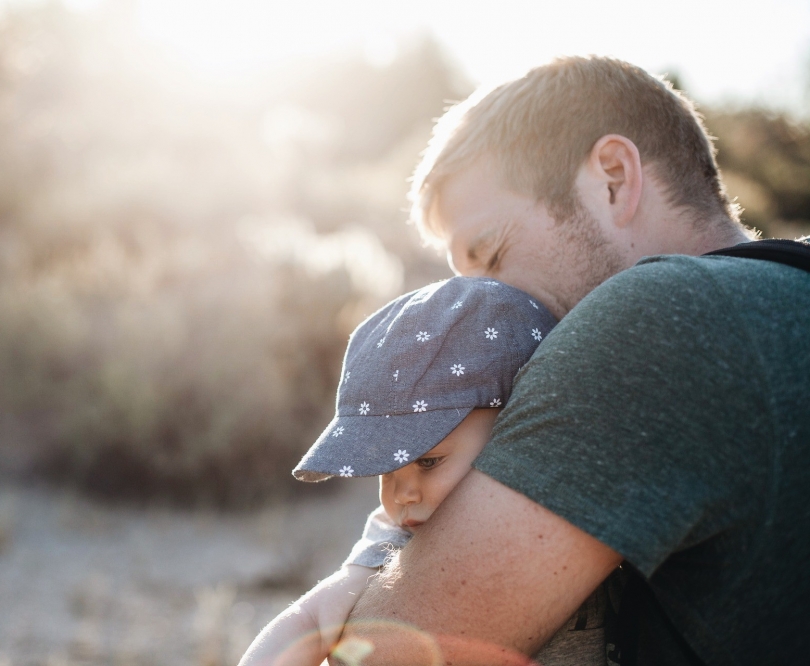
(663, 423)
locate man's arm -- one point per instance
(489, 578)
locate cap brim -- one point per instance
(374, 445)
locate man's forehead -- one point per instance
(463, 204)
(470, 221)
(461, 237)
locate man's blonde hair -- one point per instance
(540, 128)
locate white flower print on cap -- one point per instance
(419, 365)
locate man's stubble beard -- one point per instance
(593, 257)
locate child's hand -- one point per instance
(306, 632)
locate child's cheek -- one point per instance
(439, 492)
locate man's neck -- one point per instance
(722, 235)
(673, 234)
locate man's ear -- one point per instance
(615, 168)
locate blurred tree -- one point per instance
(380, 107)
(765, 158)
(147, 348)
(181, 261)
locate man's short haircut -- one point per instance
(540, 128)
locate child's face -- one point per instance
(411, 494)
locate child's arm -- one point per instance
(304, 634)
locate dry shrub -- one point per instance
(202, 385)
(181, 261)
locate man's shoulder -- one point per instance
(662, 291)
(674, 268)
(671, 270)
(660, 392)
(671, 274)
(700, 285)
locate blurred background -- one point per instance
(198, 203)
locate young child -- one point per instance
(423, 381)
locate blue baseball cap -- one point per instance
(417, 367)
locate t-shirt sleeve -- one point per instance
(627, 419)
(381, 537)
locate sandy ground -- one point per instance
(84, 583)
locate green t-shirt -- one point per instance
(668, 415)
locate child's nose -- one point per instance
(407, 491)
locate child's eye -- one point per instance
(428, 463)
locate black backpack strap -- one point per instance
(639, 632)
(791, 253)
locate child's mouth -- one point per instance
(412, 524)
